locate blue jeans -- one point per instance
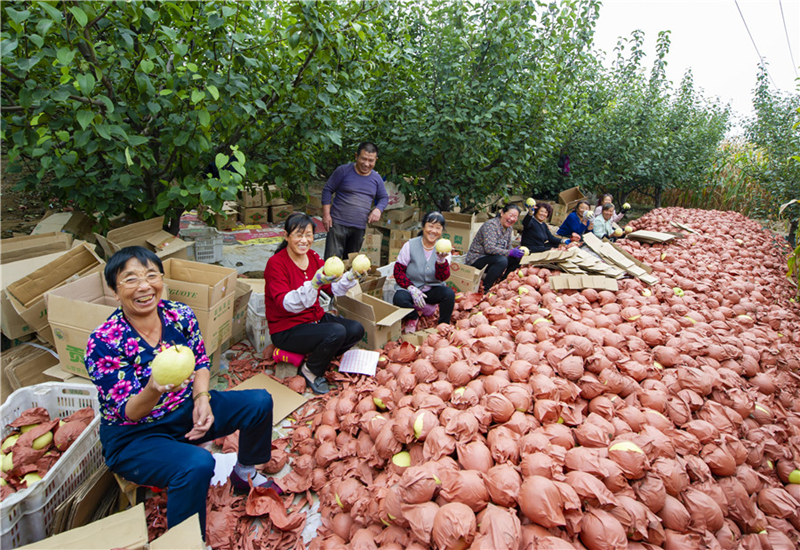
(342, 240)
(157, 453)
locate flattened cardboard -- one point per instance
(381, 320)
(284, 400)
(197, 284)
(651, 236)
(126, 529)
(27, 294)
(31, 246)
(578, 282)
(185, 536)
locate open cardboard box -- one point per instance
(126, 529)
(27, 293)
(380, 319)
(209, 290)
(31, 246)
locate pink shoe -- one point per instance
(282, 356)
(411, 326)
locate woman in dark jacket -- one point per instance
(536, 235)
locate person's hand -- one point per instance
(418, 296)
(441, 257)
(327, 221)
(575, 238)
(320, 279)
(352, 275)
(374, 216)
(515, 253)
(203, 418)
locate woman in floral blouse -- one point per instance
(151, 433)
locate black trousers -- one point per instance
(321, 341)
(442, 295)
(498, 268)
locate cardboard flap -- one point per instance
(126, 529)
(74, 263)
(32, 246)
(185, 536)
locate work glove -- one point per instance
(441, 257)
(320, 279)
(352, 275)
(418, 296)
(515, 253)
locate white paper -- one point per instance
(360, 361)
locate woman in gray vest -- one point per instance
(420, 272)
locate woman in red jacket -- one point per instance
(293, 279)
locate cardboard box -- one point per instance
(278, 214)
(398, 215)
(166, 245)
(209, 290)
(76, 223)
(461, 229)
(570, 197)
(25, 365)
(273, 197)
(74, 311)
(32, 246)
(371, 248)
(27, 294)
(559, 214)
(139, 234)
(255, 215)
(381, 320)
(251, 198)
(239, 321)
(225, 220)
(465, 278)
(12, 325)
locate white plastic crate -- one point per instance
(208, 246)
(26, 515)
(257, 329)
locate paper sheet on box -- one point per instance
(359, 361)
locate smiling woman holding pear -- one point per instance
(149, 364)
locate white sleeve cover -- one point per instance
(301, 298)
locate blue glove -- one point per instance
(418, 296)
(320, 279)
(515, 253)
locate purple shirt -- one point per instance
(354, 195)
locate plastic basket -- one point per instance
(26, 515)
(257, 329)
(208, 246)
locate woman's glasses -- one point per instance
(133, 282)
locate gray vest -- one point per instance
(420, 271)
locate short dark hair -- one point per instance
(511, 206)
(298, 220)
(117, 262)
(368, 147)
(579, 205)
(544, 205)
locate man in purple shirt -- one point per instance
(359, 198)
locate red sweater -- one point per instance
(281, 276)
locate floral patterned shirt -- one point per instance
(118, 360)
